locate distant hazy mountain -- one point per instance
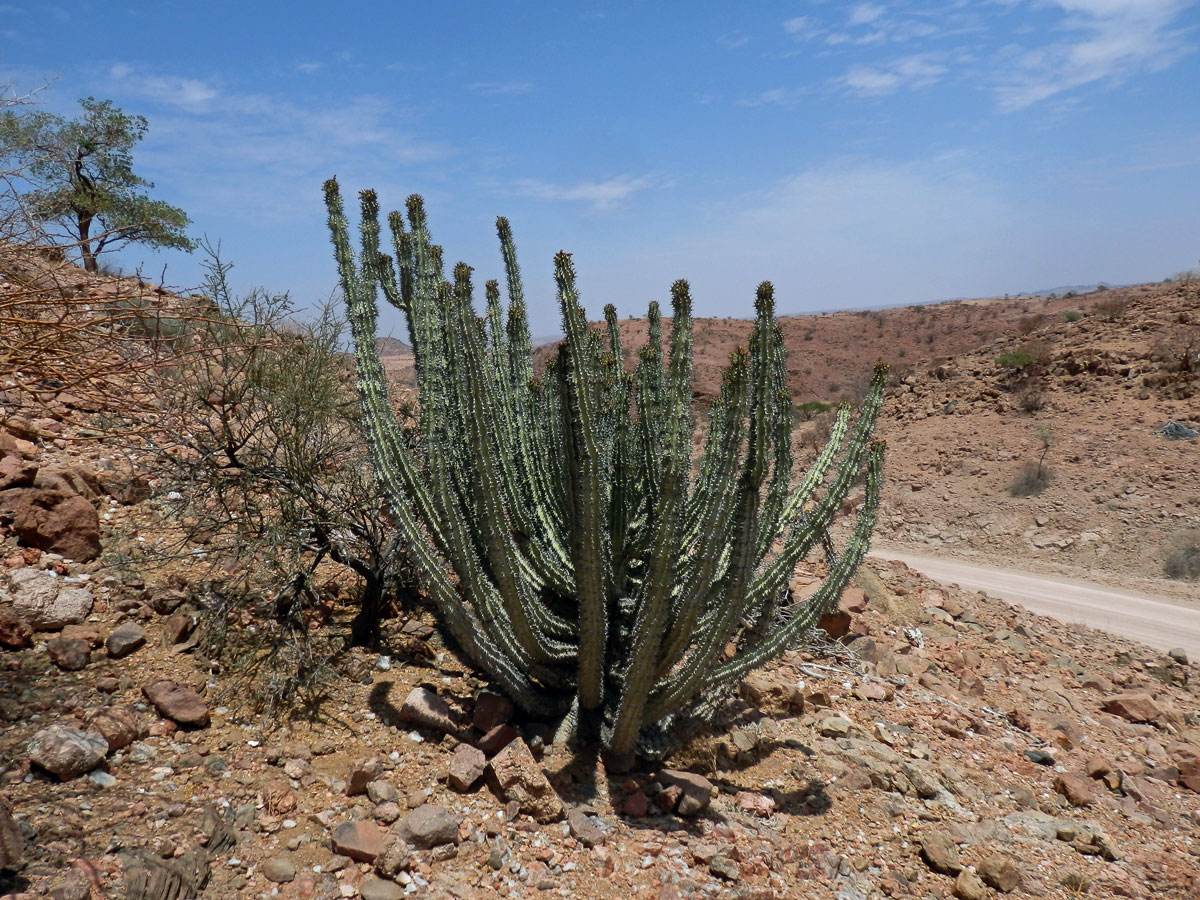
(390, 346)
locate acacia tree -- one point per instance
(81, 178)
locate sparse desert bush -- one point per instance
(554, 522)
(1030, 481)
(1183, 557)
(1014, 360)
(1035, 477)
(1030, 324)
(1031, 397)
(258, 429)
(1072, 315)
(1111, 308)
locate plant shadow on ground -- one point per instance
(580, 766)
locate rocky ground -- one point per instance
(938, 743)
(956, 745)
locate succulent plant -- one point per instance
(572, 549)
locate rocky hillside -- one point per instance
(1120, 493)
(936, 742)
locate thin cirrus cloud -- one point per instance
(1111, 41)
(1088, 42)
(186, 93)
(256, 156)
(601, 195)
(908, 72)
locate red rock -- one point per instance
(177, 702)
(835, 624)
(1134, 707)
(119, 725)
(426, 709)
(853, 600)
(516, 777)
(54, 521)
(362, 772)
(875, 690)
(999, 871)
(15, 633)
(360, 840)
(496, 739)
(467, 766)
(1097, 766)
(698, 791)
(759, 804)
(491, 710)
(1076, 788)
(668, 797)
(635, 804)
(1191, 782)
(16, 472)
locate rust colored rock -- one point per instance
(836, 624)
(999, 871)
(15, 633)
(761, 805)
(177, 702)
(361, 840)
(362, 773)
(467, 766)
(516, 777)
(55, 521)
(491, 710)
(16, 473)
(668, 798)
(70, 654)
(940, 853)
(1078, 789)
(119, 725)
(1134, 707)
(1097, 766)
(636, 804)
(879, 691)
(697, 790)
(853, 601)
(496, 739)
(12, 842)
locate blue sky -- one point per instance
(854, 153)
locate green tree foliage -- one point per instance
(556, 521)
(81, 178)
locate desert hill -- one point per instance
(936, 742)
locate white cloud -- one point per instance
(309, 68)
(600, 195)
(802, 28)
(187, 93)
(865, 13)
(908, 72)
(1112, 40)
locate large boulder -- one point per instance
(53, 520)
(42, 600)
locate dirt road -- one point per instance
(1161, 623)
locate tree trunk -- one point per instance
(365, 627)
(85, 244)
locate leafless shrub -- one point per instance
(1183, 557)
